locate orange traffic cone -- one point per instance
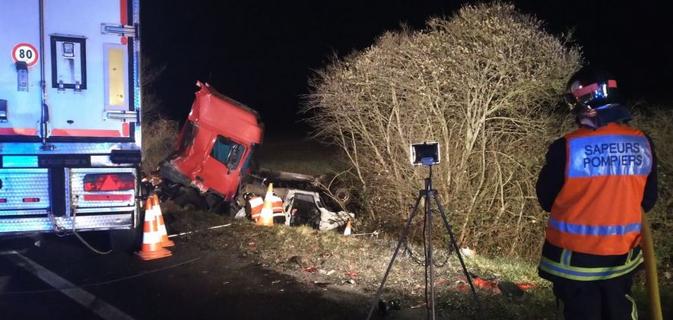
(266, 217)
(151, 247)
(349, 228)
(163, 233)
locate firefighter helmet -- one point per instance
(590, 89)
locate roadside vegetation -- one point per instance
(159, 133)
(485, 84)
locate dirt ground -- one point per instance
(353, 266)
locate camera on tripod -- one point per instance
(424, 154)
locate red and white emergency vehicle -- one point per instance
(70, 142)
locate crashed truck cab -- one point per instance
(215, 146)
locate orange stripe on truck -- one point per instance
(122, 12)
(123, 132)
(18, 131)
(107, 197)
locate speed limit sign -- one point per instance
(25, 52)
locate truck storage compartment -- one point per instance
(24, 200)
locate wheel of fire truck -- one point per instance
(126, 241)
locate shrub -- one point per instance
(657, 122)
(159, 134)
(483, 83)
(158, 142)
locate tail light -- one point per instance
(109, 182)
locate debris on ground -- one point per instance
(295, 207)
(325, 260)
(495, 286)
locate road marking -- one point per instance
(190, 232)
(81, 296)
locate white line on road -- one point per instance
(190, 232)
(81, 296)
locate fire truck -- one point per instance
(70, 134)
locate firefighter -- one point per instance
(594, 182)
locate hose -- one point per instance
(62, 232)
(651, 279)
(86, 244)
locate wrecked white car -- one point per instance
(300, 207)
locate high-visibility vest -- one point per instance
(598, 210)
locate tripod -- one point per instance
(428, 194)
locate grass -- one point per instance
(296, 153)
(358, 263)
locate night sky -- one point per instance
(262, 53)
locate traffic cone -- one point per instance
(349, 228)
(266, 217)
(151, 248)
(163, 233)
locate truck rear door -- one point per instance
(89, 71)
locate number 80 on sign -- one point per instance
(25, 52)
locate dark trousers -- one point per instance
(597, 300)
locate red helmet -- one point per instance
(590, 89)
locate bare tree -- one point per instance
(484, 84)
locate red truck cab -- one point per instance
(215, 146)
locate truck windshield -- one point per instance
(227, 152)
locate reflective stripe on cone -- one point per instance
(151, 247)
(163, 233)
(266, 216)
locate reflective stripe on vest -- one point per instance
(589, 230)
(598, 209)
(567, 271)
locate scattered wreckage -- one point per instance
(296, 207)
(213, 168)
(298, 200)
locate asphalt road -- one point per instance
(62, 279)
